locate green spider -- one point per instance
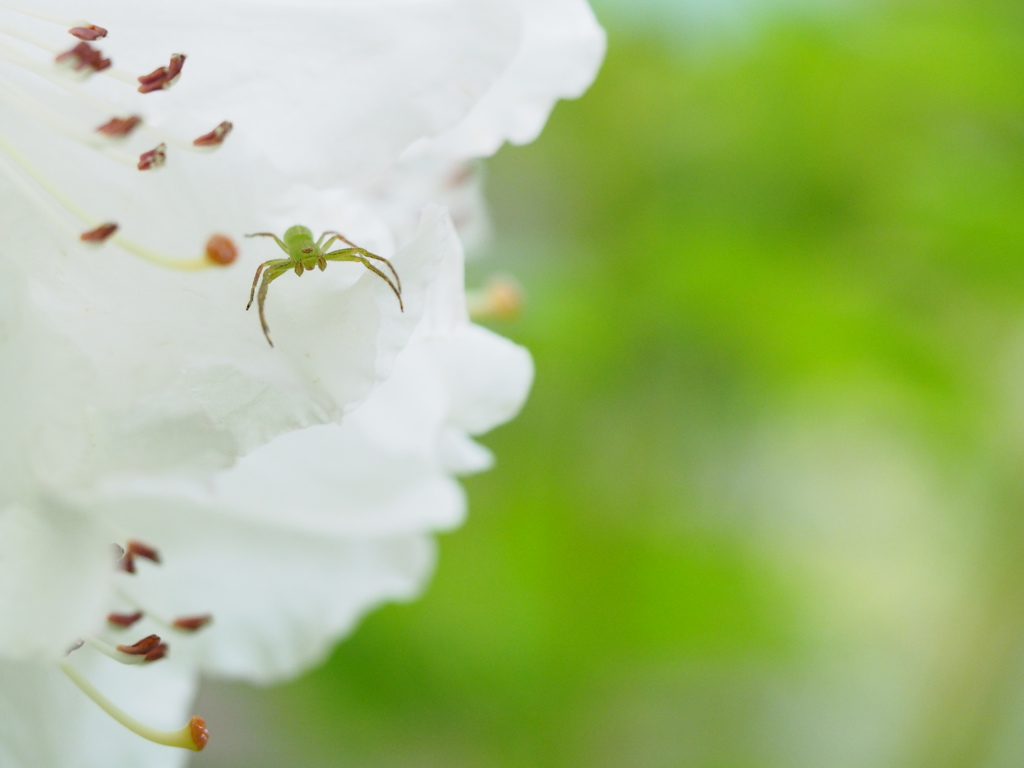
(305, 254)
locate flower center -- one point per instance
(146, 650)
(34, 70)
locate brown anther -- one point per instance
(192, 623)
(163, 77)
(221, 250)
(99, 234)
(123, 619)
(127, 563)
(215, 137)
(156, 157)
(138, 549)
(157, 653)
(119, 127)
(141, 648)
(197, 727)
(460, 176)
(88, 33)
(74, 647)
(82, 58)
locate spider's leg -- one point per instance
(323, 247)
(271, 234)
(338, 236)
(274, 272)
(358, 254)
(394, 272)
(363, 251)
(271, 263)
(252, 293)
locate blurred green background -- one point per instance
(764, 506)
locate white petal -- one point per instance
(461, 455)
(181, 396)
(347, 483)
(561, 50)
(47, 722)
(345, 341)
(331, 90)
(486, 376)
(55, 570)
(279, 596)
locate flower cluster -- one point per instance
(260, 500)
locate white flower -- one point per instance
(288, 490)
(286, 566)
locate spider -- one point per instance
(304, 253)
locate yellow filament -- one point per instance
(111, 652)
(200, 262)
(62, 21)
(182, 737)
(16, 97)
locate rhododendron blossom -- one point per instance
(260, 500)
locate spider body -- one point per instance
(303, 254)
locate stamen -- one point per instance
(83, 30)
(221, 250)
(44, 193)
(142, 647)
(99, 234)
(25, 37)
(162, 78)
(501, 298)
(119, 127)
(60, 21)
(137, 653)
(154, 158)
(112, 128)
(179, 624)
(192, 623)
(74, 647)
(200, 262)
(31, 192)
(123, 620)
(88, 33)
(57, 122)
(193, 736)
(83, 58)
(139, 549)
(126, 563)
(215, 137)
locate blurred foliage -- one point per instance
(763, 507)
